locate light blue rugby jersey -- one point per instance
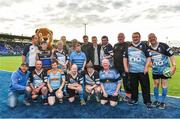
(78, 59)
(137, 57)
(110, 87)
(55, 80)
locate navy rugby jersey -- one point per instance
(92, 80)
(159, 57)
(38, 78)
(78, 79)
(61, 56)
(45, 57)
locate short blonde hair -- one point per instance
(74, 42)
(60, 42)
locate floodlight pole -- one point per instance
(85, 29)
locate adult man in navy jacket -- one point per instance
(19, 81)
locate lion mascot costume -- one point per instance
(44, 34)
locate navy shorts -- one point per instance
(155, 77)
(110, 98)
(71, 92)
(52, 93)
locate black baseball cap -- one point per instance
(43, 42)
(24, 64)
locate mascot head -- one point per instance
(44, 34)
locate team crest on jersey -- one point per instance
(159, 49)
(140, 46)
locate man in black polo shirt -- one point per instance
(118, 50)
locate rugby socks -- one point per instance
(164, 93)
(81, 95)
(156, 93)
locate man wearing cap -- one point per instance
(19, 80)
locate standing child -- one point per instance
(45, 56)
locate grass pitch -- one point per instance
(11, 63)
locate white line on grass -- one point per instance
(7, 71)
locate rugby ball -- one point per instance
(167, 72)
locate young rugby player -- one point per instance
(56, 82)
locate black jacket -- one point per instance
(108, 49)
(88, 50)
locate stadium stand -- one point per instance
(176, 50)
(11, 48)
(13, 44)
